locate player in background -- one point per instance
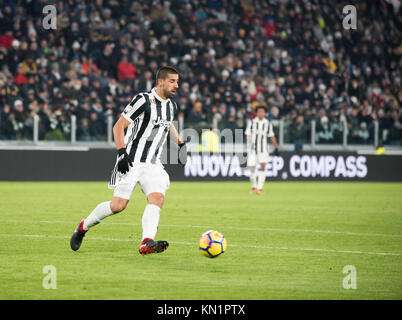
(148, 119)
(258, 129)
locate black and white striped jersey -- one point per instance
(259, 132)
(150, 118)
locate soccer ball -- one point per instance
(212, 244)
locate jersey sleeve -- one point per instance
(135, 108)
(270, 130)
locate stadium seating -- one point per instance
(293, 57)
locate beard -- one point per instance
(169, 94)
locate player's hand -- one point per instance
(124, 163)
(276, 152)
(182, 153)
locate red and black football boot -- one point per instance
(150, 246)
(78, 235)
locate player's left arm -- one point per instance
(174, 135)
(274, 142)
(272, 137)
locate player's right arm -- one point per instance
(132, 111)
(118, 132)
(248, 133)
(123, 162)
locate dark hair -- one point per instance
(164, 71)
(261, 107)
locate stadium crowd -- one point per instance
(294, 57)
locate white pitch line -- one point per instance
(297, 230)
(228, 227)
(194, 244)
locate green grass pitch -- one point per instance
(290, 243)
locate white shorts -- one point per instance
(254, 158)
(151, 177)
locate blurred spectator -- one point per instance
(363, 134)
(125, 70)
(145, 83)
(196, 115)
(299, 131)
(380, 150)
(230, 121)
(83, 131)
(324, 133)
(210, 140)
(96, 127)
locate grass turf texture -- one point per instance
(284, 225)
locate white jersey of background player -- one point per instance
(257, 133)
(148, 119)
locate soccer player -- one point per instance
(148, 119)
(258, 129)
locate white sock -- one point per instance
(100, 212)
(150, 221)
(261, 179)
(253, 178)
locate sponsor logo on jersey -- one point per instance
(161, 122)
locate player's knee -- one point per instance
(156, 198)
(118, 205)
